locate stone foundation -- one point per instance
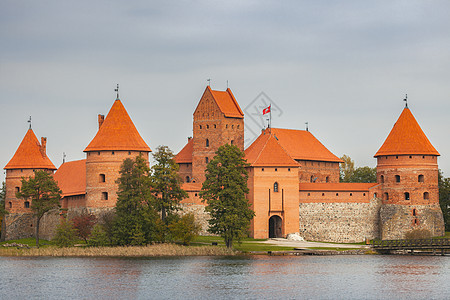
(397, 220)
(23, 225)
(340, 222)
(201, 216)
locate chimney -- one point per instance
(101, 118)
(43, 147)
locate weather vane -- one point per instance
(117, 91)
(209, 81)
(306, 123)
(29, 121)
(406, 101)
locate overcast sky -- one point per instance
(342, 66)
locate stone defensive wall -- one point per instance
(397, 220)
(342, 222)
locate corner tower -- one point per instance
(117, 139)
(218, 120)
(29, 157)
(407, 172)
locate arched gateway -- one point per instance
(275, 225)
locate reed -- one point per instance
(126, 251)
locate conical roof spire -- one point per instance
(30, 154)
(117, 132)
(406, 138)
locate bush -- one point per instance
(98, 236)
(83, 225)
(418, 234)
(66, 235)
(185, 229)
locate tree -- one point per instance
(364, 174)
(185, 229)
(224, 190)
(444, 198)
(166, 183)
(135, 217)
(346, 168)
(83, 225)
(66, 234)
(348, 173)
(3, 211)
(44, 193)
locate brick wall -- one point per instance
(107, 163)
(322, 170)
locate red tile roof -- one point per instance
(227, 103)
(185, 155)
(302, 145)
(29, 155)
(117, 132)
(71, 178)
(406, 137)
(266, 151)
(355, 187)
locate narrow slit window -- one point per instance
(406, 196)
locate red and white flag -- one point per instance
(266, 110)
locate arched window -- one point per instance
(10, 204)
(207, 143)
(102, 178)
(426, 196)
(382, 179)
(275, 187)
(397, 178)
(188, 179)
(386, 196)
(232, 142)
(406, 196)
(420, 178)
(27, 204)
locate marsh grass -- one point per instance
(135, 251)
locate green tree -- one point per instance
(135, 216)
(185, 229)
(166, 182)
(99, 236)
(346, 168)
(83, 225)
(224, 190)
(3, 211)
(364, 174)
(44, 193)
(444, 198)
(348, 172)
(66, 234)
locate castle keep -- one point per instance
(293, 178)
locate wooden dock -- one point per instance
(423, 246)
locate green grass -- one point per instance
(30, 242)
(246, 244)
(332, 248)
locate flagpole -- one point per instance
(270, 116)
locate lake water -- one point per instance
(255, 277)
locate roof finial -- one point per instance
(406, 101)
(209, 81)
(117, 91)
(306, 123)
(29, 121)
(64, 157)
(227, 84)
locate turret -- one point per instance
(30, 156)
(407, 172)
(117, 139)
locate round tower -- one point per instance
(117, 139)
(29, 157)
(407, 171)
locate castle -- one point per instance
(293, 178)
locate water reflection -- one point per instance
(253, 277)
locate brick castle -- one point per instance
(293, 178)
